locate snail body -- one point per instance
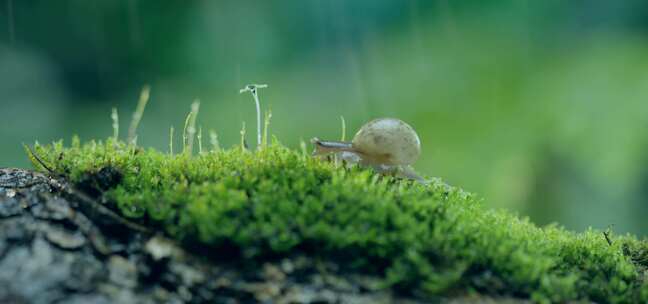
(386, 144)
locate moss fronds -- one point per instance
(423, 239)
(35, 160)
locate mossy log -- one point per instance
(246, 211)
(53, 250)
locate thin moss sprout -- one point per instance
(253, 88)
(243, 144)
(343, 137)
(115, 123)
(213, 140)
(199, 136)
(190, 128)
(303, 148)
(184, 133)
(137, 115)
(171, 140)
(266, 126)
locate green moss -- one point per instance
(422, 239)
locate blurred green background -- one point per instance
(540, 107)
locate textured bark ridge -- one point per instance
(56, 247)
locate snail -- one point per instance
(388, 145)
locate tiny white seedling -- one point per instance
(252, 88)
(388, 145)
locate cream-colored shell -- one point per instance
(388, 141)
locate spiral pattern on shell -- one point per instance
(388, 141)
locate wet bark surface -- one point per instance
(57, 247)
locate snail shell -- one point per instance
(387, 141)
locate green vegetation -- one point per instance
(422, 239)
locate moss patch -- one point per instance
(422, 239)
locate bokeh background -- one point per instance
(540, 107)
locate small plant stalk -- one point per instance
(139, 112)
(266, 126)
(184, 133)
(115, 123)
(243, 145)
(171, 141)
(191, 131)
(213, 139)
(199, 140)
(190, 128)
(258, 111)
(252, 88)
(302, 147)
(343, 137)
